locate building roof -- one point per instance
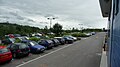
(105, 7)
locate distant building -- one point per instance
(111, 9)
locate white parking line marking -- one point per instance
(43, 55)
(84, 38)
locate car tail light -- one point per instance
(28, 48)
(18, 50)
(3, 56)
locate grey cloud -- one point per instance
(73, 11)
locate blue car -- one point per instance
(46, 43)
(34, 46)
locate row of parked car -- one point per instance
(26, 46)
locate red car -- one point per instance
(5, 54)
(11, 35)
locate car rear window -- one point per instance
(4, 50)
(55, 40)
(23, 46)
(49, 41)
(33, 43)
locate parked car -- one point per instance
(10, 36)
(93, 33)
(46, 43)
(5, 54)
(19, 49)
(26, 37)
(22, 38)
(69, 36)
(34, 46)
(0, 41)
(68, 40)
(8, 41)
(88, 34)
(61, 40)
(17, 35)
(55, 42)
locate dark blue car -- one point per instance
(34, 46)
(68, 40)
(46, 43)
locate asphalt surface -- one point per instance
(84, 53)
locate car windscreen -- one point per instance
(12, 39)
(22, 46)
(22, 38)
(71, 36)
(33, 43)
(4, 50)
(67, 38)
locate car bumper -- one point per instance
(51, 45)
(41, 50)
(38, 50)
(2, 60)
(23, 53)
(69, 42)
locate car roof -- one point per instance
(58, 37)
(1, 47)
(54, 39)
(45, 39)
(18, 43)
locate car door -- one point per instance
(43, 42)
(13, 48)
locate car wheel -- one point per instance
(46, 48)
(27, 54)
(14, 55)
(9, 60)
(66, 42)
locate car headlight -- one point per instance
(38, 49)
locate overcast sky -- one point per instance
(69, 13)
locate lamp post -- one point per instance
(51, 18)
(81, 27)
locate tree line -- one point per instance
(8, 28)
(57, 29)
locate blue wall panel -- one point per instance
(114, 46)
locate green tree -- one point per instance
(46, 30)
(57, 29)
(8, 28)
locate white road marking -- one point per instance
(43, 55)
(99, 54)
(84, 38)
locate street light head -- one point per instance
(48, 18)
(53, 18)
(80, 24)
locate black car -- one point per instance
(61, 40)
(19, 49)
(55, 42)
(46, 43)
(68, 40)
(8, 41)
